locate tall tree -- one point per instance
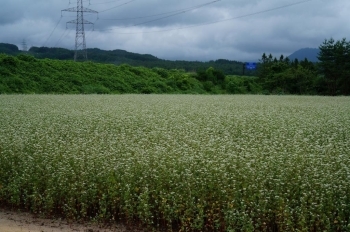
(281, 58)
(334, 59)
(284, 76)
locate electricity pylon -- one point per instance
(80, 42)
(24, 45)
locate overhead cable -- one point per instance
(217, 21)
(169, 12)
(52, 31)
(116, 6)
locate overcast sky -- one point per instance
(180, 29)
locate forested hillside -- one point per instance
(9, 49)
(123, 57)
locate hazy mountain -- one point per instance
(229, 67)
(309, 53)
(9, 49)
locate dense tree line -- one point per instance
(334, 59)
(33, 72)
(282, 76)
(329, 76)
(27, 74)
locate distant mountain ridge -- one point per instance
(308, 53)
(229, 67)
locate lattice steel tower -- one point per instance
(80, 42)
(24, 45)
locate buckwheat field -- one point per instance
(179, 162)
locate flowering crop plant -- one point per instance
(179, 162)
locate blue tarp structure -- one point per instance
(250, 66)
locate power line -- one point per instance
(52, 31)
(182, 12)
(217, 21)
(178, 12)
(117, 6)
(105, 2)
(169, 12)
(88, 33)
(59, 40)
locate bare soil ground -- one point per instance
(12, 221)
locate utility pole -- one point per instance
(80, 42)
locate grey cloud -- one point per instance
(280, 31)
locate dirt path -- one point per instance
(11, 221)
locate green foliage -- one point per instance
(10, 63)
(334, 59)
(285, 77)
(213, 80)
(331, 76)
(242, 85)
(95, 88)
(51, 53)
(212, 75)
(26, 74)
